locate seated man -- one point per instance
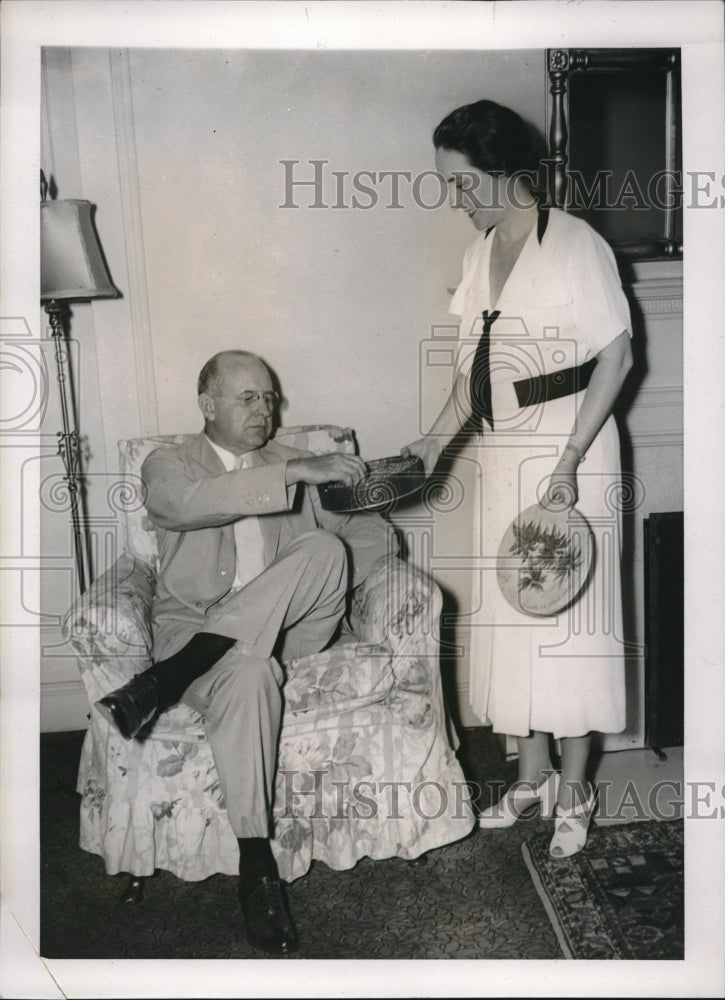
(252, 571)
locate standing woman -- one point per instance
(540, 296)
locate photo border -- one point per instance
(692, 25)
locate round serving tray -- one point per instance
(544, 560)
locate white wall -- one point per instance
(337, 300)
(180, 150)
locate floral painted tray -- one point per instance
(544, 560)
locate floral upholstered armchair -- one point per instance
(365, 768)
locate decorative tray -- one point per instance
(544, 560)
(387, 481)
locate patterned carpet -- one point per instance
(472, 899)
(621, 898)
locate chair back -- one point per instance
(139, 533)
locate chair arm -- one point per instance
(394, 603)
(113, 618)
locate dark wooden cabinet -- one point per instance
(615, 146)
(664, 574)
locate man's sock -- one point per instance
(174, 675)
(255, 861)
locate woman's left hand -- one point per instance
(562, 492)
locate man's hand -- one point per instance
(319, 469)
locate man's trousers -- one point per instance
(299, 600)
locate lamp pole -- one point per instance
(69, 447)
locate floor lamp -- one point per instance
(72, 269)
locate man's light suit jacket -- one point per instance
(193, 502)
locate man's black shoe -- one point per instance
(132, 706)
(267, 919)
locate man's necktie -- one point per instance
(481, 373)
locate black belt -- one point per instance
(566, 382)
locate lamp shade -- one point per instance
(71, 262)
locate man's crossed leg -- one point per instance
(226, 670)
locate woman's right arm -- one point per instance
(456, 412)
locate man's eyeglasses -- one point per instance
(250, 396)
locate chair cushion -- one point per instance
(139, 532)
(341, 679)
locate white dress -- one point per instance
(561, 305)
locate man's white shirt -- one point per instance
(247, 530)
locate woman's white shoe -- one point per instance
(571, 828)
(518, 799)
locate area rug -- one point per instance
(622, 897)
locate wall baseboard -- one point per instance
(63, 707)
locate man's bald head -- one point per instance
(237, 400)
(213, 370)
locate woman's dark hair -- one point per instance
(492, 137)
